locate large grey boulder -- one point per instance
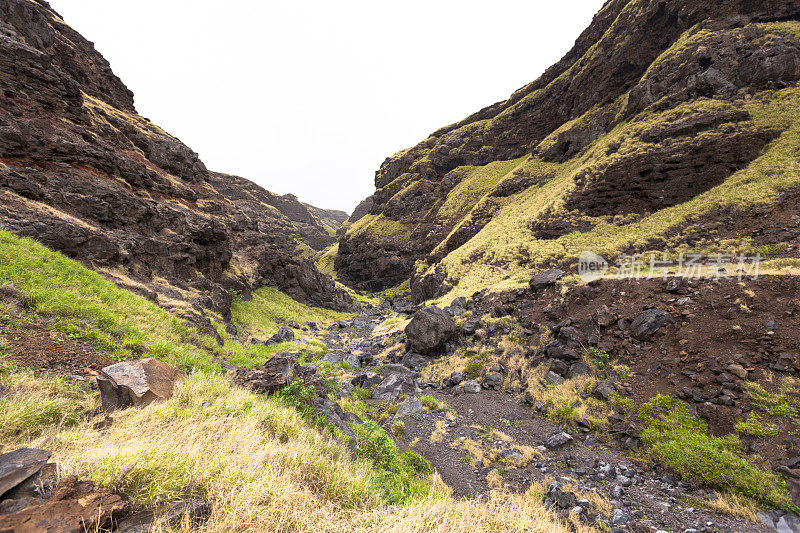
(429, 330)
(136, 383)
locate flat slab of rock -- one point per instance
(196, 512)
(547, 278)
(558, 440)
(136, 383)
(393, 386)
(648, 322)
(273, 375)
(19, 465)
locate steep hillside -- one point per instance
(664, 111)
(81, 172)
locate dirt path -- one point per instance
(489, 440)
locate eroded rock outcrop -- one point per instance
(637, 61)
(81, 172)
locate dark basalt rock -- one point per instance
(429, 330)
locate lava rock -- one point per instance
(429, 330)
(545, 279)
(649, 322)
(136, 383)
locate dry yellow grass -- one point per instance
(733, 505)
(263, 469)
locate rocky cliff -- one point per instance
(659, 103)
(82, 172)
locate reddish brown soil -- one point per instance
(717, 323)
(33, 343)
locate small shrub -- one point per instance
(757, 427)
(476, 365)
(784, 403)
(432, 404)
(398, 478)
(299, 395)
(398, 428)
(599, 357)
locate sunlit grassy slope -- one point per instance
(505, 253)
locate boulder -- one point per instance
(648, 322)
(471, 326)
(545, 279)
(455, 379)
(284, 335)
(471, 387)
(553, 378)
(558, 440)
(429, 330)
(393, 386)
(136, 383)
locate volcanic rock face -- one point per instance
(638, 58)
(81, 172)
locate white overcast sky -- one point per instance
(310, 96)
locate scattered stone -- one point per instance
(393, 386)
(429, 330)
(366, 381)
(284, 335)
(604, 317)
(136, 383)
(414, 360)
(194, 511)
(471, 326)
(738, 370)
(619, 517)
(411, 406)
(493, 381)
(558, 440)
(604, 390)
(472, 387)
(273, 375)
(546, 279)
(457, 307)
(648, 322)
(553, 378)
(577, 370)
